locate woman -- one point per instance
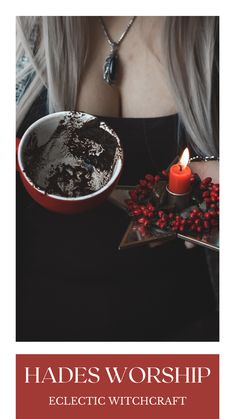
(160, 94)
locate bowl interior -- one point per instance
(43, 129)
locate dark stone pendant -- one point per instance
(110, 67)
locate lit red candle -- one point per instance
(180, 174)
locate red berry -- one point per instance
(207, 181)
(215, 188)
(142, 220)
(149, 178)
(150, 207)
(157, 178)
(142, 182)
(136, 211)
(205, 194)
(213, 193)
(212, 212)
(207, 215)
(199, 229)
(206, 224)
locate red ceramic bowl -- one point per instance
(44, 128)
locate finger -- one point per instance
(189, 245)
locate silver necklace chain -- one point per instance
(109, 39)
(110, 64)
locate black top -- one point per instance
(73, 284)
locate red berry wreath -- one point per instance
(201, 216)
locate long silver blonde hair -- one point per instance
(56, 49)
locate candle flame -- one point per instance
(184, 159)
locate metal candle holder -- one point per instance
(179, 201)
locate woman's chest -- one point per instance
(141, 88)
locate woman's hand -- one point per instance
(206, 169)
